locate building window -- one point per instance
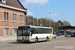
(6, 31)
(14, 31)
(14, 17)
(21, 18)
(6, 16)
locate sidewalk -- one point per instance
(61, 36)
(7, 38)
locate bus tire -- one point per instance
(47, 39)
(36, 40)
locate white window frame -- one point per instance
(5, 31)
(15, 17)
(21, 19)
(6, 16)
(13, 34)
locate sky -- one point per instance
(63, 10)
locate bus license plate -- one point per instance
(25, 37)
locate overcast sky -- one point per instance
(59, 9)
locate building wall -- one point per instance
(1, 32)
(10, 24)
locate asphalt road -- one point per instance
(60, 43)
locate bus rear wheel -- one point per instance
(47, 39)
(36, 40)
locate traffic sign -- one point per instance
(64, 29)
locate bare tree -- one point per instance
(66, 23)
(46, 22)
(29, 20)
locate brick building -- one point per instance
(12, 15)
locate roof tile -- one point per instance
(13, 3)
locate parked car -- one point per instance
(58, 34)
(73, 35)
(63, 33)
(70, 35)
(54, 35)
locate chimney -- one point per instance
(4, 1)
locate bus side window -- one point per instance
(39, 30)
(43, 30)
(50, 30)
(32, 30)
(36, 30)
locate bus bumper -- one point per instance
(24, 40)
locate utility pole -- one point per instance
(62, 25)
(49, 21)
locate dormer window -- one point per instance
(4, 1)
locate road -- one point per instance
(60, 43)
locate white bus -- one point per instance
(34, 33)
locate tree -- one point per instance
(46, 22)
(29, 20)
(66, 23)
(35, 21)
(60, 23)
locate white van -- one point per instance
(53, 35)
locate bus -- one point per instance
(34, 33)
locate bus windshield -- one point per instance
(23, 31)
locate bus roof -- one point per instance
(36, 26)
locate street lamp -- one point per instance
(50, 21)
